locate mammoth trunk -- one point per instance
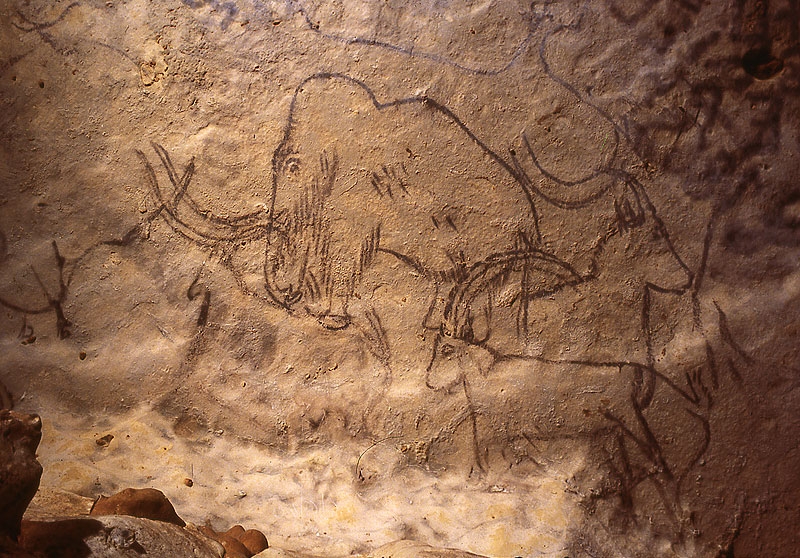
(297, 256)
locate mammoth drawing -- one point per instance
(355, 178)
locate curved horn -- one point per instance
(566, 194)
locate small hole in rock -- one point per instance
(41, 84)
(82, 355)
(759, 63)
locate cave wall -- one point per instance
(533, 263)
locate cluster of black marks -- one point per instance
(55, 303)
(386, 177)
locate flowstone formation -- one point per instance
(501, 277)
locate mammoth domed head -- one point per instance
(20, 472)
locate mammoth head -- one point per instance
(297, 239)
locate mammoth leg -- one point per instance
(436, 317)
(336, 316)
(332, 312)
(345, 271)
(643, 441)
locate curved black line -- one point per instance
(700, 452)
(478, 277)
(701, 271)
(727, 335)
(284, 146)
(254, 219)
(22, 309)
(39, 26)
(571, 88)
(640, 191)
(168, 208)
(521, 47)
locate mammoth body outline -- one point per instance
(354, 179)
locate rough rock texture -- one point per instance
(409, 549)
(147, 503)
(115, 536)
(511, 277)
(397, 549)
(51, 503)
(20, 472)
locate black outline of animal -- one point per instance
(389, 184)
(466, 355)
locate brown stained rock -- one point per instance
(234, 548)
(254, 540)
(147, 503)
(236, 531)
(20, 473)
(238, 543)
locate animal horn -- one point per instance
(566, 194)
